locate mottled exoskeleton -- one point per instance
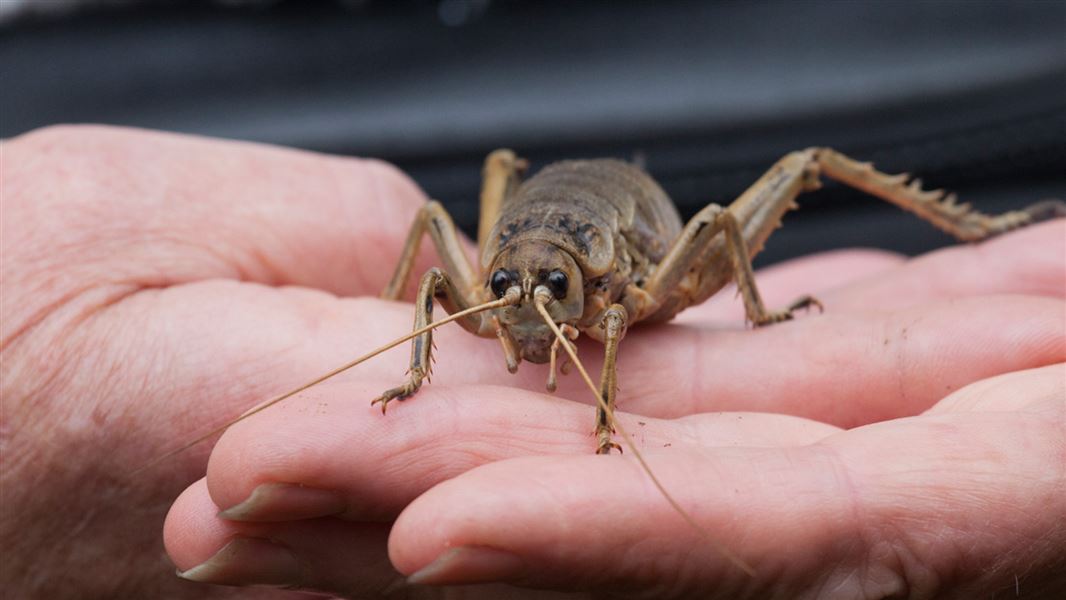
(602, 247)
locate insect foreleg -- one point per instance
(435, 282)
(614, 325)
(434, 220)
(501, 175)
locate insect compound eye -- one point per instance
(558, 283)
(501, 280)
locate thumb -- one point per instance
(200, 209)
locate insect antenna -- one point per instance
(539, 301)
(504, 301)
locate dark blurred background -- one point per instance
(970, 95)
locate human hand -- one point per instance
(153, 286)
(910, 441)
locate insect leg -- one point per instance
(701, 261)
(435, 282)
(759, 209)
(434, 220)
(614, 325)
(935, 206)
(499, 177)
(501, 174)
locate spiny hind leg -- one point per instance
(434, 283)
(696, 266)
(936, 206)
(614, 325)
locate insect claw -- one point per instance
(805, 303)
(605, 448)
(380, 399)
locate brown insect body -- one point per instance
(604, 223)
(596, 246)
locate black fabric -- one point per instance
(970, 95)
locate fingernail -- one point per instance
(285, 502)
(248, 561)
(469, 564)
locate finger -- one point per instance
(310, 450)
(353, 462)
(845, 369)
(203, 209)
(200, 354)
(324, 555)
(842, 369)
(968, 502)
(1030, 261)
(298, 555)
(998, 394)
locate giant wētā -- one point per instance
(593, 246)
(598, 246)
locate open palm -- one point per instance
(908, 441)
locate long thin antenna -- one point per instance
(733, 558)
(506, 300)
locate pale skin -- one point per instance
(909, 440)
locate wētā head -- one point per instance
(529, 266)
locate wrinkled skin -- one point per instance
(909, 441)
